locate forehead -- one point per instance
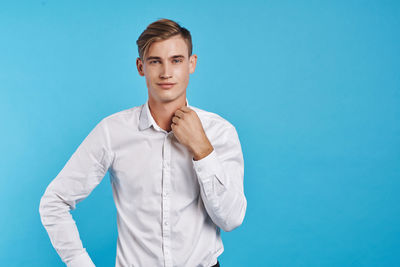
(172, 46)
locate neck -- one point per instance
(163, 112)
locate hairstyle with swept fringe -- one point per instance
(162, 29)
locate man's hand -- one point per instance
(189, 131)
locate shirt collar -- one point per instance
(146, 119)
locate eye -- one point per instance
(177, 60)
(154, 61)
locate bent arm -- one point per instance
(220, 176)
(81, 174)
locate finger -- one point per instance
(179, 113)
(175, 120)
(185, 109)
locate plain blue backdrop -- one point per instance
(313, 88)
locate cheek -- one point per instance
(184, 75)
(148, 81)
(186, 78)
(150, 78)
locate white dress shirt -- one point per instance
(170, 208)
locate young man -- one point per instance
(176, 171)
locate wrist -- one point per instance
(203, 151)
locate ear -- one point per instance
(140, 66)
(192, 63)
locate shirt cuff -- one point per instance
(208, 167)
(82, 260)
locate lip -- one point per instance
(166, 85)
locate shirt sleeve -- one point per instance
(80, 175)
(220, 176)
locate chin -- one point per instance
(168, 96)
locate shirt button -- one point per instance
(165, 194)
(165, 223)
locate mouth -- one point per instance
(166, 85)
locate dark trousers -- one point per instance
(216, 265)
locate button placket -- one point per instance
(166, 201)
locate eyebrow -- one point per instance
(173, 57)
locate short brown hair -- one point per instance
(162, 29)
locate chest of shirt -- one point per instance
(145, 162)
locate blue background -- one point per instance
(313, 88)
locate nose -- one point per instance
(165, 71)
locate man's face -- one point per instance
(167, 68)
